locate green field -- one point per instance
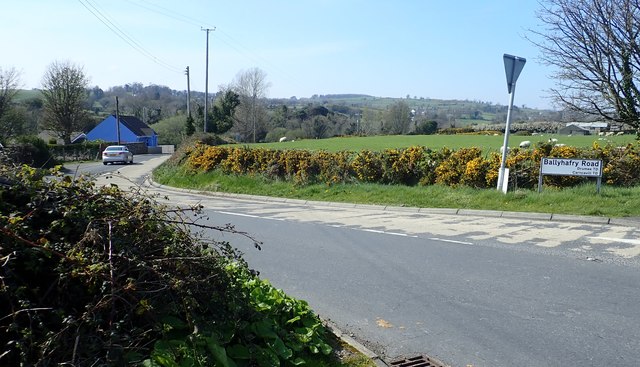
(486, 142)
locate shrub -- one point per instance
(32, 151)
(413, 165)
(452, 169)
(367, 166)
(97, 276)
(426, 127)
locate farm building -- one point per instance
(573, 130)
(132, 130)
(583, 128)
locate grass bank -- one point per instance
(582, 200)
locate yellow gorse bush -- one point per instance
(413, 165)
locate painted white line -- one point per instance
(330, 225)
(248, 215)
(385, 232)
(623, 240)
(450, 241)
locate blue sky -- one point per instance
(422, 48)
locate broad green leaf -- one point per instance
(325, 348)
(238, 351)
(291, 321)
(219, 353)
(281, 349)
(298, 361)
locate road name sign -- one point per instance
(570, 167)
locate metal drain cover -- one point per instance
(419, 361)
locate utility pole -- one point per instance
(188, 93)
(206, 80)
(117, 120)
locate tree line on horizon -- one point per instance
(236, 112)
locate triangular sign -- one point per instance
(512, 67)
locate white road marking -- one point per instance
(451, 241)
(385, 232)
(248, 215)
(622, 240)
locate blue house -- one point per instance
(132, 130)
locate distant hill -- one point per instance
(158, 101)
(27, 94)
(460, 112)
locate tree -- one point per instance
(9, 82)
(223, 111)
(171, 130)
(190, 127)
(426, 127)
(371, 122)
(65, 96)
(251, 86)
(398, 118)
(13, 123)
(594, 46)
(318, 127)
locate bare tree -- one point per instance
(252, 86)
(370, 122)
(398, 118)
(65, 96)
(593, 45)
(9, 125)
(9, 83)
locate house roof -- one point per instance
(136, 126)
(590, 125)
(571, 127)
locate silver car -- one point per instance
(117, 153)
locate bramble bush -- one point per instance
(415, 165)
(98, 276)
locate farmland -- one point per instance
(485, 142)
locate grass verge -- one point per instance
(581, 200)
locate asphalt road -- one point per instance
(97, 168)
(466, 289)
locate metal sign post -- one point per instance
(512, 66)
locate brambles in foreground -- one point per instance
(101, 276)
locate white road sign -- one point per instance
(571, 167)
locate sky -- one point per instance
(384, 48)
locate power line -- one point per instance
(230, 41)
(104, 19)
(168, 13)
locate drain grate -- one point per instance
(419, 361)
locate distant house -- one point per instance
(592, 128)
(132, 130)
(573, 130)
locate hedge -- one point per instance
(414, 165)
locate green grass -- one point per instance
(581, 200)
(378, 143)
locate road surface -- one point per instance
(470, 290)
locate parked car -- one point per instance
(117, 153)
